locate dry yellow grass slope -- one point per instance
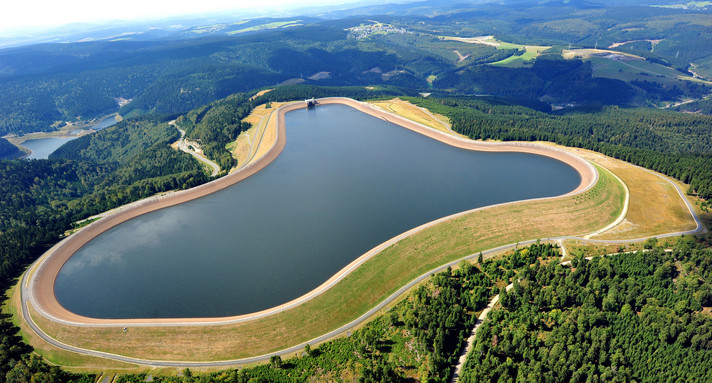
(415, 113)
(655, 206)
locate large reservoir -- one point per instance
(345, 182)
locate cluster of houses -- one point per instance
(364, 31)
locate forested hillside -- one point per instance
(120, 143)
(701, 106)
(139, 160)
(628, 317)
(8, 151)
(48, 83)
(551, 78)
(217, 124)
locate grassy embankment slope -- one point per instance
(378, 277)
(417, 114)
(655, 208)
(256, 141)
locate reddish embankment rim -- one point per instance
(41, 283)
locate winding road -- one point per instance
(183, 145)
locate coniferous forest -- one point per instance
(629, 317)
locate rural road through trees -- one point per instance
(186, 147)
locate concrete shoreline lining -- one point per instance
(39, 290)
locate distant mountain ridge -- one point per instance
(423, 46)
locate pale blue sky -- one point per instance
(48, 13)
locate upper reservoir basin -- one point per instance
(345, 182)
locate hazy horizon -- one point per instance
(24, 18)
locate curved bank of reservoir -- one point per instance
(369, 160)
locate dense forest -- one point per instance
(551, 77)
(701, 106)
(628, 317)
(217, 124)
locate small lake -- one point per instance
(103, 124)
(344, 183)
(42, 147)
